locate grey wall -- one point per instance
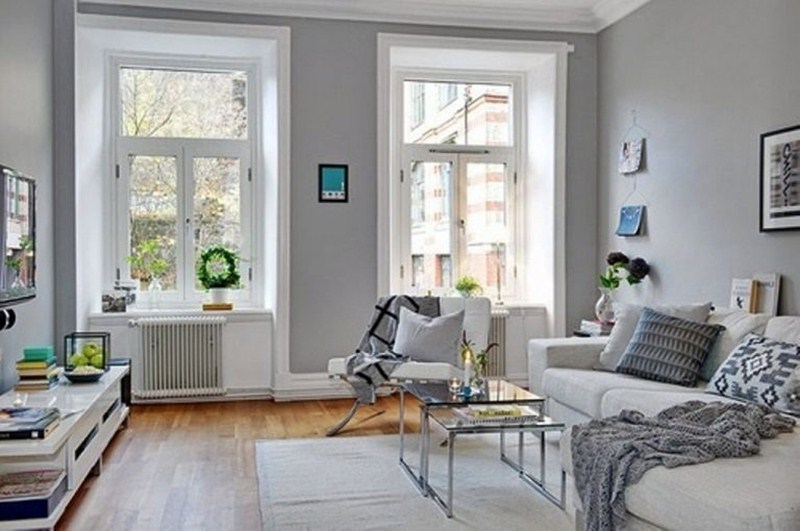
(334, 120)
(26, 144)
(707, 78)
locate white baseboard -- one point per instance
(309, 386)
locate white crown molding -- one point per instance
(579, 16)
(608, 12)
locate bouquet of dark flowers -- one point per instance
(620, 268)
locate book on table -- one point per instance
(25, 364)
(28, 422)
(31, 494)
(38, 353)
(497, 413)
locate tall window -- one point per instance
(184, 144)
(461, 190)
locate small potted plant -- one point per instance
(218, 272)
(468, 286)
(147, 264)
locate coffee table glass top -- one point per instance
(495, 392)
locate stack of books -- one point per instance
(37, 370)
(28, 422)
(31, 494)
(595, 328)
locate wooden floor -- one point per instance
(192, 466)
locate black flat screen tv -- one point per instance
(17, 237)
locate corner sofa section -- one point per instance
(755, 493)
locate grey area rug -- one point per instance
(355, 483)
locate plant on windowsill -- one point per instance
(218, 272)
(147, 264)
(468, 286)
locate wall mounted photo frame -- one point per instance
(630, 156)
(780, 180)
(333, 183)
(630, 220)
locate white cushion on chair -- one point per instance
(410, 370)
(477, 316)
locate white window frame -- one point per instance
(459, 156)
(541, 170)
(185, 150)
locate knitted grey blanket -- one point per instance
(609, 454)
(374, 360)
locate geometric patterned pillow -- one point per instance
(758, 370)
(668, 349)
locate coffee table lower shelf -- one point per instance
(443, 415)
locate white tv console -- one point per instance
(91, 415)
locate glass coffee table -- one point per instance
(502, 408)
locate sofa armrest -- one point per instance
(565, 352)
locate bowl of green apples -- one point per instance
(87, 365)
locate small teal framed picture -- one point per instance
(333, 183)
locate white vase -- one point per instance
(604, 307)
(219, 295)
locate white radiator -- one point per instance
(178, 357)
(496, 365)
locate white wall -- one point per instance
(26, 144)
(706, 79)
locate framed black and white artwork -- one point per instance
(780, 180)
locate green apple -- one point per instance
(97, 361)
(79, 360)
(90, 350)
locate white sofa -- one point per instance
(755, 493)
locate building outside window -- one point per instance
(184, 143)
(461, 162)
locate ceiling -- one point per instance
(584, 16)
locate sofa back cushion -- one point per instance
(668, 349)
(738, 323)
(627, 316)
(784, 328)
(761, 370)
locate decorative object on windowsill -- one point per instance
(218, 272)
(620, 268)
(780, 180)
(468, 286)
(149, 266)
(86, 356)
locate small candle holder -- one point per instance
(455, 385)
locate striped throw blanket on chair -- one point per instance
(374, 360)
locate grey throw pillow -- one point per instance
(627, 316)
(668, 349)
(424, 338)
(759, 370)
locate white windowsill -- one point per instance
(235, 315)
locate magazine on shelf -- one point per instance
(769, 287)
(31, 494)
(744, 294)
(493, 414)
(28, 422)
